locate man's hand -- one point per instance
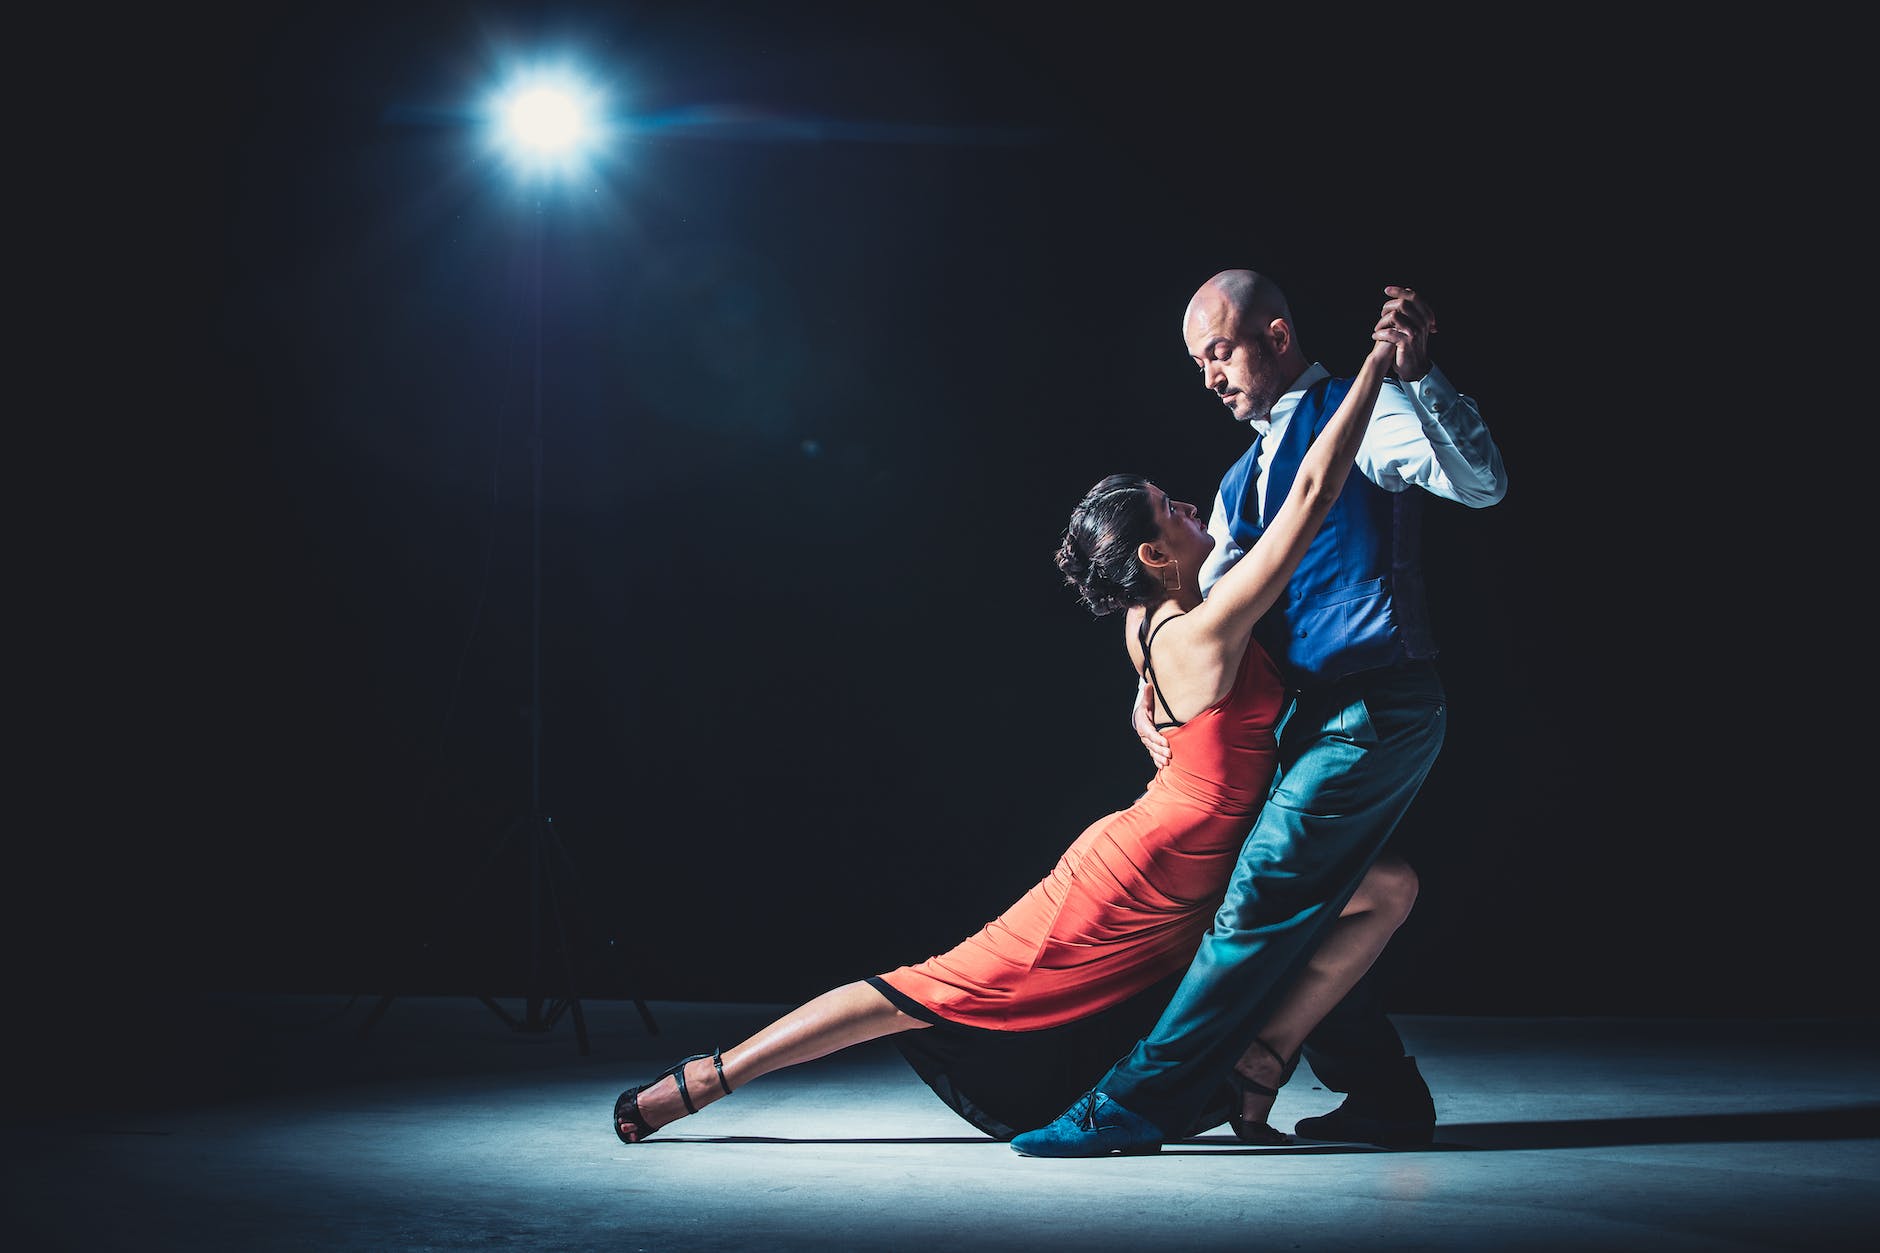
(1144, 722)
(1408, 322)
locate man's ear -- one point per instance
(1279, 333)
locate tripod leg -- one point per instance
(613, 948)
(646, 1015)
(470, 895)
(580, 1026)
(378, 1012)
(509, 1019)
(573, 1001)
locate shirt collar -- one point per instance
(1284, 406)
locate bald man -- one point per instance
(1352, 635)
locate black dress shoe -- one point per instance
(1400, 1117)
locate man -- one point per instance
(1352, 634)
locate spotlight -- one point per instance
(543, 119)
(546, 123)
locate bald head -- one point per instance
(1251, 298)
(1238, 330)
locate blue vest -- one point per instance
(1356, 602)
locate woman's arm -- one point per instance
(1248, 590)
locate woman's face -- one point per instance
(1180, 531)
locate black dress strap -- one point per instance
(1144, 636)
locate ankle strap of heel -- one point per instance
(678, 1072)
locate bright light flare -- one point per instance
(547, 123)
(543, 119)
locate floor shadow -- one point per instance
(665, 1139)
(1857, 1122)
(1854, 1122)
(1228, 1145)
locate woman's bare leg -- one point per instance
(1369, 919)
(850, 1014)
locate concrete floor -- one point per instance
(442, 1128)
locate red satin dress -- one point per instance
(1101, 941)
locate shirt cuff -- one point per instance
(1434, 393)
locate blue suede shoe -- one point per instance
(1095, 1126)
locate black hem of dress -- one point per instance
(994, 1078)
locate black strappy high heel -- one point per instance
(1260, 1133)
(627, 1105)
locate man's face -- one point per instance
(1237, 362)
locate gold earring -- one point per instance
(1176, 586)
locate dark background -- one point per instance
(831, 343)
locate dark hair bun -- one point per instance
(1097, 554)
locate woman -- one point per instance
(1012, 1024)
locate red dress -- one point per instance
(1085, 961)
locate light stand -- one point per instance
(541, 111)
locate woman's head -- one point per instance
(1129, 544)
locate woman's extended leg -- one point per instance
(847, 1015)
(1375, 911)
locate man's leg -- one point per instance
(1355, 1046)
(1351, 946)
(1357, 753)
(1356, 1050)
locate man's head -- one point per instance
(1239, 332)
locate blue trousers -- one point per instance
(1352, 756)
